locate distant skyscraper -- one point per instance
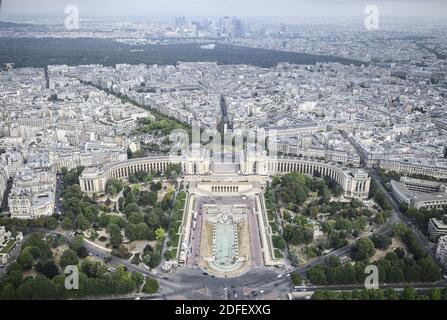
(206, 25)
(238, 28)
(197, 24)
(196, 28)
(225, 25)
(283, 28)
(180, 22)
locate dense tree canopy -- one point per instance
(363, 249)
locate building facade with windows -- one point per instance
(420, 193)
(436, 229)
(354, 182)
(441, 251)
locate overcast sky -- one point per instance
(246, 8)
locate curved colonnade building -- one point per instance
(354, 182)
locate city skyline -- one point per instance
(251, 8)
(217, 154)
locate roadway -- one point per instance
(196, 234)
(58, 194)
(437, 285)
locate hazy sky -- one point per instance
(246, 8)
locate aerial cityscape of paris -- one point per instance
(240, 151)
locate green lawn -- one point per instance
(278, 254)
(8, 246)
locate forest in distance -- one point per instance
(40, 52)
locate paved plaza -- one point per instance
(225, 237)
